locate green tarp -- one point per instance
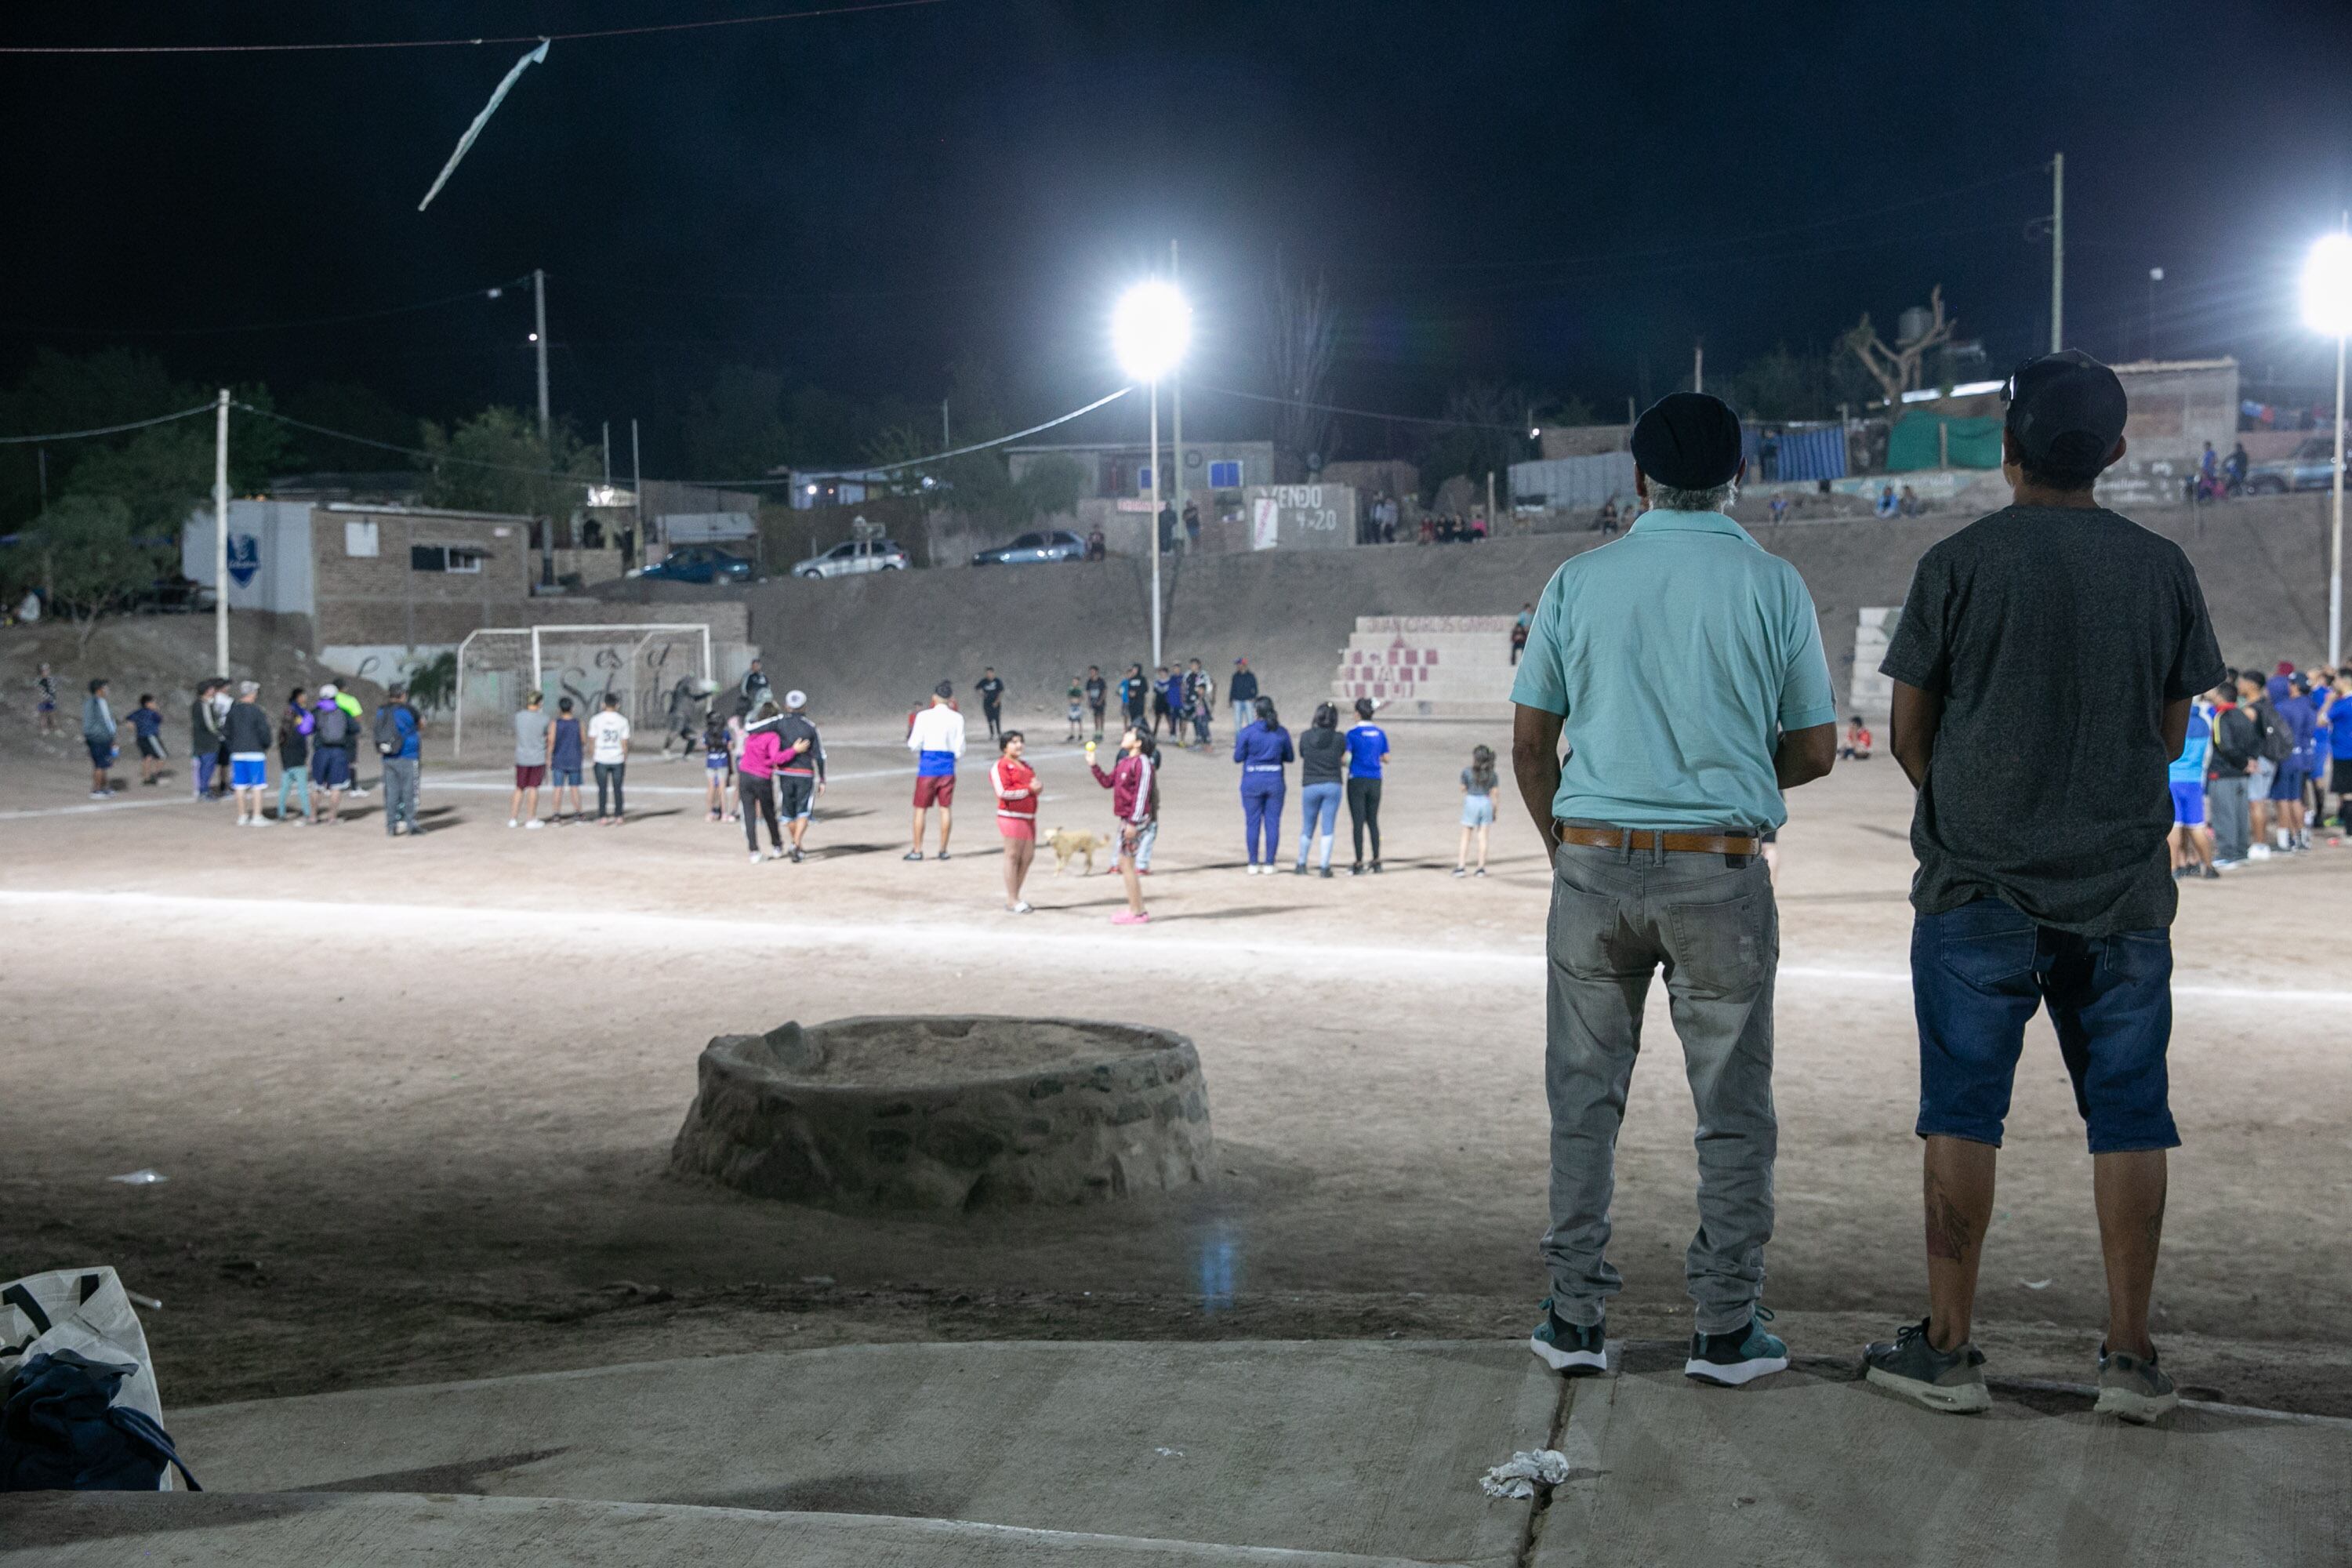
(1914, 443)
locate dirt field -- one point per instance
(413, 1100)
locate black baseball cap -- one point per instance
(1688, 440)
(2067, 411)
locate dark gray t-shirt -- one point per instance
(2055, 637)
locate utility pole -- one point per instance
(539, 308)
(637, 481)
(1151, 523)
(608, 454)
(947, 438)
(1176, 440)
(1698, 365)
(220, 536)
(2057, 251)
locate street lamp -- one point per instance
(1149, 331)
(2328, 308)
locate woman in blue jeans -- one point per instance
(1262, 749)
(1321, 748)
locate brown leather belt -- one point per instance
(1645, 839)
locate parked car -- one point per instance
(1052, 545)
(701, 563)
(855, 557)
(2313, 467)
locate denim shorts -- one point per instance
(1979, 972)
(1477, 810)
(567, 778)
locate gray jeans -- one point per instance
(399, 794)
(1618, 915)
(2225, 812)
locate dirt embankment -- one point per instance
(874, 645)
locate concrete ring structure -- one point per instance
(949, 1112)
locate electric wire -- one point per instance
(487, 292)
(459, 43)
(711, 484)
(108, 429)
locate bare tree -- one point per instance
(1302, 331)
(1896, 370)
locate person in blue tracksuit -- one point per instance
(1262, 749)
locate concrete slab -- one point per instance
(1366, 1449)
(1805, 1471)
(100, 1530)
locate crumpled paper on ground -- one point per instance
(1516, 1480)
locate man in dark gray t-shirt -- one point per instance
(2043, 668)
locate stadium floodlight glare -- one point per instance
(1149, 330)
(2328, 287)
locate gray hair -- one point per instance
(1714, 498)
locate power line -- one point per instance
(108, 429)
(1356, 412)
(429, 456)
(456, 42)
(1698, 243)
(578, 479)
(485, 292)
(936, 456)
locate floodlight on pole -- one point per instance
(1150, 329)
(2328, 308)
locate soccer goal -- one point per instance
(646, 664)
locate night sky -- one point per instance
(1562, 195)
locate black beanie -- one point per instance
(1688, 440)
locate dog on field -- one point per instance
(1069, 847)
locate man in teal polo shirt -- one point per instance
(1683, 667)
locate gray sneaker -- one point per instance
(2138, 1391)
(1949, 1380)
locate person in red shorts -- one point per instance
(936, 737)
(1015, 783)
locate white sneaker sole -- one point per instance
(2138, 1408)
(1965, 1399)
(1734, 1374)
(1559, 1360)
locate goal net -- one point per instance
(652, 667)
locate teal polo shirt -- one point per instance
(1676, 656)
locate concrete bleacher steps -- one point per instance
(1314, 1455)
(1428, 666)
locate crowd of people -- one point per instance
(2261, 755)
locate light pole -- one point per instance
(1149, 331)
(2328, 308)
(2155, 276)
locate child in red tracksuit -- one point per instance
(1134, 786)
(1016, 784)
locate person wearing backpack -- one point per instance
(400, 742)
(332, 733)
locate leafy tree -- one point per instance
(1302, 332)
(165, 472)
(1484, 436)
(1778, 385)
(736, 429)
(433, 685)
(496, 463)
(346, 406)
(75, 392)
(94, 560)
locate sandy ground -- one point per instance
(413, 1100)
